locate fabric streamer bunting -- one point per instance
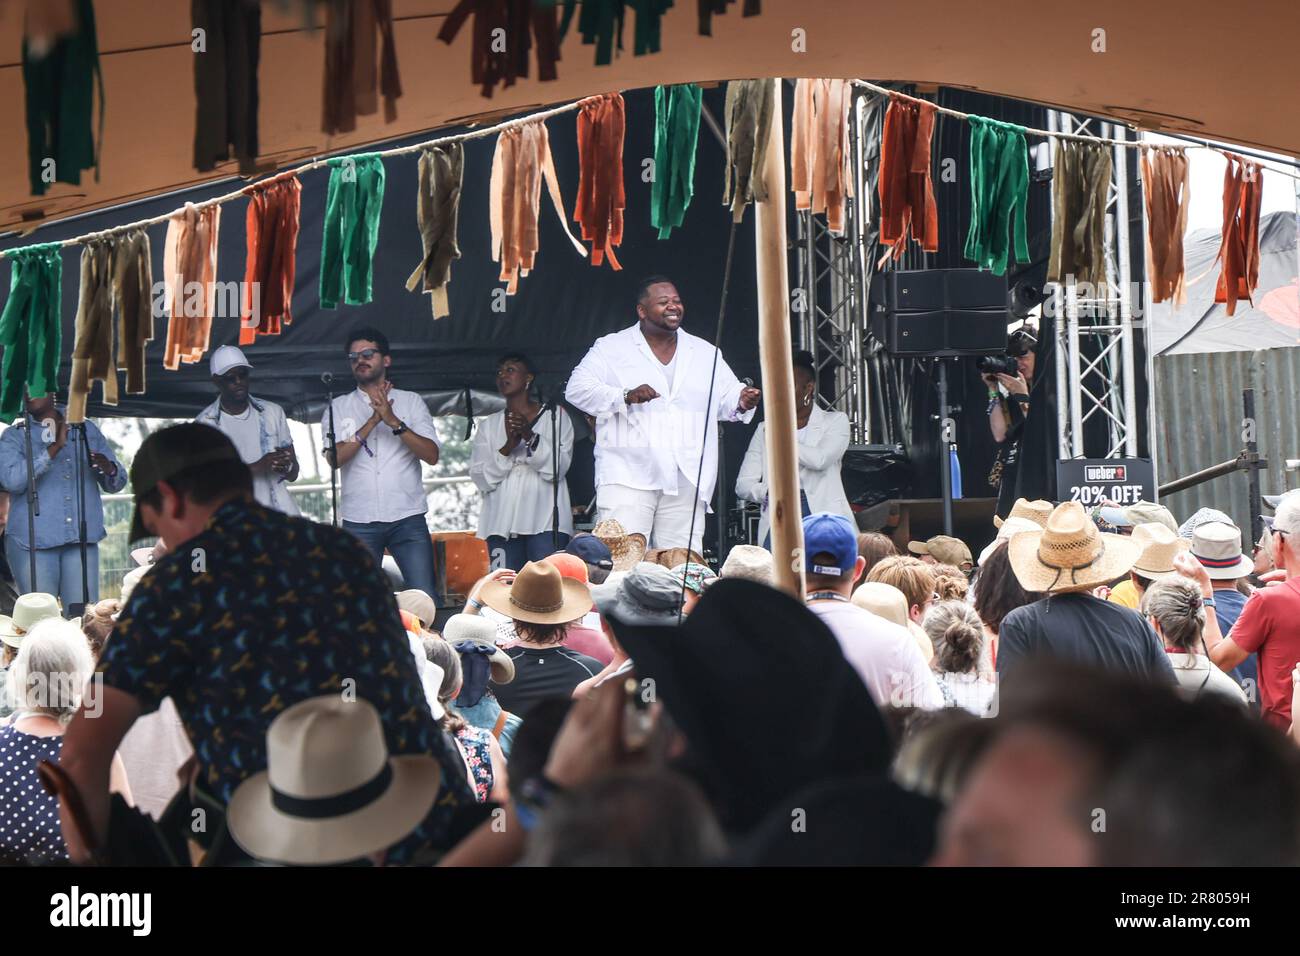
(907, 205)
(1166, 181)
(707, 9)
(1239, 248)
(492, 63)
(442, 170)
(352, 208)
(999, 169)
(599, 206)
(225, 82)
(272, 235)
(60, 73)
(352, 28)
(521, 161)
(677, 132)
(1080, 183)
(30, 330)
(189, 268)
(819, 157)
(114, 319)
(601, 24)
(749, 125)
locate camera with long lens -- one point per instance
(999, 365)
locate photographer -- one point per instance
(1008, 411)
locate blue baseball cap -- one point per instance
(592, 550)
(826, 533)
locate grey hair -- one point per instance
(1176, 606)
(49, 674)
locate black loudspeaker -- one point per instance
(938, 312)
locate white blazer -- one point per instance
(648, 446)
(517, 489)
(822, 443)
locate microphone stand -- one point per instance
(81, 500)
(328, 379)
(33, 499)
(554, 406)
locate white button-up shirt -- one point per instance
(518, 488)
(655, 445)
(382, 482)
(822, 443)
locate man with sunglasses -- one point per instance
(258, 429)
(383, 435)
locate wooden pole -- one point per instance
(776, 363)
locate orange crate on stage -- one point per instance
(460, 559)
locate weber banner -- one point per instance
(1092, 481)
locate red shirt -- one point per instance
(1270, 627)
(593, 643)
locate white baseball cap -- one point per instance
(227, 357)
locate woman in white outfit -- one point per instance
(823, 438)
(514, 465)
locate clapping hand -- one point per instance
(382, 404)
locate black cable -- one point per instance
(709, 417)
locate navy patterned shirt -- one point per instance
(258, 612)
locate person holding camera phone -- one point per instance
(1010, 379)
(259, 430)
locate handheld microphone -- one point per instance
(327, 377)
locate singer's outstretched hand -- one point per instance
(749, 398)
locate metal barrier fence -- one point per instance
(446, 513)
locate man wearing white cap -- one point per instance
(259, 430)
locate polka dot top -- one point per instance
(29, 817)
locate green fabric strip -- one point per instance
(352, 209)
(30, 329)
(677, 130)
(999, 172)
(60, 93)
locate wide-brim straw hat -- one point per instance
(539, 594)
(1218, 547)
(461, 628)
(1010, 528)
(330, 793)
(1037, 511)
(29, 610)
(626, 550)
(1159, 547)
(1069, 554)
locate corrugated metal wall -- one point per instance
(1199, 424)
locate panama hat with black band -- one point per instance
(167, 453)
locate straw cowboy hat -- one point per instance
(1218, 547)
(479, 630)
(625, 549)
(29, 610)
(539, 595)
(1159, 548)
(1010, 528)
(1036, 511)
(1069, 554)
(330, 793)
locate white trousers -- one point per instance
(665, 520)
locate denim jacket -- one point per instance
(57, 521)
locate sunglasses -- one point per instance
(366, 354)
(239, 375)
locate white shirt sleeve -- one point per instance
(590, 387)
(750, 485)
(541, 458)
(728, 389)
(420, 421)
(487, 466)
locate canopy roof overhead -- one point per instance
(1115, 58)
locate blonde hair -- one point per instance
(910, 575)
(950, 582)
(49, 674)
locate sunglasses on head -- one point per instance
(366, 354)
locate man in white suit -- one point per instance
(648, 388)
